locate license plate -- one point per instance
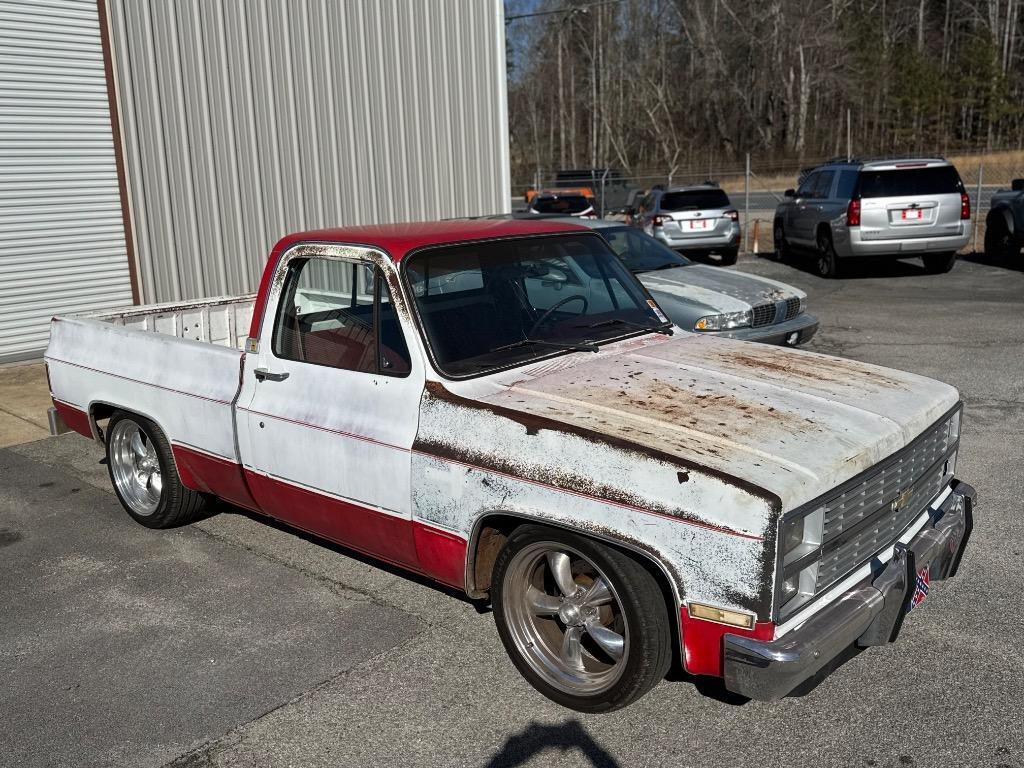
(914, 214)
(699, 223)
(921, 584)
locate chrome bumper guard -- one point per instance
(871, 613)
(57, 425)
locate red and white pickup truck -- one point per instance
(454, 399)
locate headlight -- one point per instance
(723, 322)
(799, 538)
(803, 304)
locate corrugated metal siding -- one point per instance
(62, 246)
(244, 121)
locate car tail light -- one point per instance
(965, 206)
(734, 215)
(659, 220)
(853, 214)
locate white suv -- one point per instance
(898, 208)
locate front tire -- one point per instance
(828, 261)
(939, 263)
(144, 476)
(585, 624)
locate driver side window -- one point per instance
(338, 313)
(806, 189)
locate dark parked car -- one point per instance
(1004, 225)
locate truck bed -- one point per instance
(178, 364)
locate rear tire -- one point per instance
(827, 261)
(1000, 244)
(728, 257)
(144, 476)
(939, 263)
(781, 252)
(592, 635)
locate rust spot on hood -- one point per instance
(815, 368)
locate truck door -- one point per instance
(329, 404)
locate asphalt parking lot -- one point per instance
(238, 643)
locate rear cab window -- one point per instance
(909, 182)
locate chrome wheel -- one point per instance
(565, 618)
(135, 467)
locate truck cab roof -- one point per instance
(398, 240)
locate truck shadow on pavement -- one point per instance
(536, 738)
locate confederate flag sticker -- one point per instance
(920, 587)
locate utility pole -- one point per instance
(746, 207)
(849, 141)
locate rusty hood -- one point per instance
(793, 423)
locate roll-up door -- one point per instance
(62, 243)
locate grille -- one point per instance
(792, 308)
(860, 522)
(764, 314)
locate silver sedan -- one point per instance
(707, 299)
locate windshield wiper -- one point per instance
(665, 328)
(582, 346)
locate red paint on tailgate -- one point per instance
(702, 642)
(207, 473)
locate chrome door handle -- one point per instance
(262, 374)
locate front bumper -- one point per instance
(803, 325)
(871, 613)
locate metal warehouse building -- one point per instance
(154, 150)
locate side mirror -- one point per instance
(789, 193)
(1017, 185)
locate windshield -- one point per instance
(640, 252)
(938, 180)
(498, 303)
(694, 200)
(561, 204)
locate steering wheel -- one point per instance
(550, 310)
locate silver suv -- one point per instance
(698, 219)
(898, 208)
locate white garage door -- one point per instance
(62, 245)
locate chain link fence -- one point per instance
(755, 188)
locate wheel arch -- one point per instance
(823, 228)
(491, 530)
(1006, 214)
(103, 409)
